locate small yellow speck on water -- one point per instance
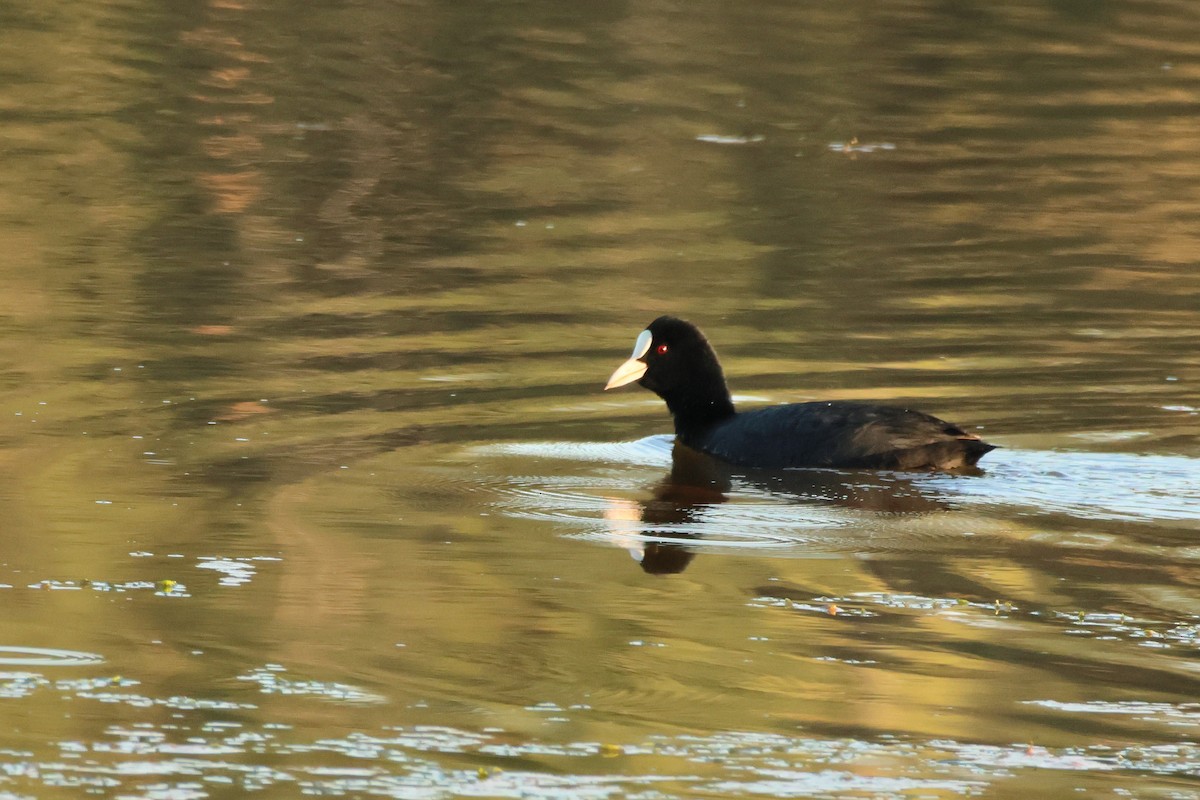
(165, 586)
(611, 750)
(833, 609)
(115, 680)
(482, 773)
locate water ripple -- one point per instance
(12, 655)
(632, 495)
(1097, 486)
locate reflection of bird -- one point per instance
(674, 360)
(680, 498)
(660, 532)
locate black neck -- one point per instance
(697, 410)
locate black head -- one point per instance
(673, 359)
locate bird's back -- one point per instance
(840, 434)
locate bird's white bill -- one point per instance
(628, 372)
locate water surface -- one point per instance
(309, 486)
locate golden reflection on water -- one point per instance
(306, 320)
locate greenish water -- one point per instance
(309, 485)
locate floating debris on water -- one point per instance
(854, 146)
(716, 138)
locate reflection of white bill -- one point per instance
(623, 518)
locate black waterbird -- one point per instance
(674, 360)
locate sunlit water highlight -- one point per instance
(440, 762)
(600, 501)
(11, 655)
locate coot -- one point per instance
(674, 360)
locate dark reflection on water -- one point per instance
(698, 482)
(306, 463)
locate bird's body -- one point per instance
(673, 359)
(838, 434)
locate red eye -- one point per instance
(661, 349)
